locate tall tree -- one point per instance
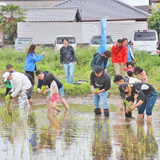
(9, 16)
(154, 18)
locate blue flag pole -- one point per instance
(102, 47)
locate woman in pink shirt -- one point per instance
(141, 74)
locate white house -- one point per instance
(82, 19)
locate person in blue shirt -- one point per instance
(30, 64)
(130, 55)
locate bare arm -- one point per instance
(54, 91)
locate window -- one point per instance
(144, 36)
(97, 40)
(24, 42)
(71, 40)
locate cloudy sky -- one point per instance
(136, 2)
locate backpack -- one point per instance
(30, 78)
(95, 54)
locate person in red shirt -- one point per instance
(119, 57)
(129, 67)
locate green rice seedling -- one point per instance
(127, 104)
(43, 88)
(7, 98)
(96, 90)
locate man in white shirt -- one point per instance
(20, 85)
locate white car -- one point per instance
(22, 43)
(96, 41)
(71, 41)
(146, 40)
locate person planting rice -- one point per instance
(7, 82)
(53, 91)
(30, 64)
(100, 79)
(146, 95)
(118, 79)
(10, 69)
(99, 59)
(42, 82)
(20, 85)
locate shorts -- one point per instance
(61, 92)
(148, 104)
(29, 93)
(55, 98)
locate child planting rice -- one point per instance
(7, 82)
(53, 91)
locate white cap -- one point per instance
(5, 76)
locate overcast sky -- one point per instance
(137, 2)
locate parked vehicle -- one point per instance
(71, 41)
(96, 41)
(0, 43)
(22, 43)
(146, 40)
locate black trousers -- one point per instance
(7, 90)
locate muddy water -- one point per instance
(77, 134)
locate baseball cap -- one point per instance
(122, 87)
(5, 76)
(98, 69)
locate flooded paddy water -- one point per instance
(76, 135)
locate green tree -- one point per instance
(154, 18)
(9, 16)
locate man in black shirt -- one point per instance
(146, 95)
(101, 80)
(68, 57)
(41, 82)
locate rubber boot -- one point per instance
(106, 112)
(129, 114)
(97, 111)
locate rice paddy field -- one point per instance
(77, 134)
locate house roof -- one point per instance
(51, 14)
(145, 8)
(95, 10)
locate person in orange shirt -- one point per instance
(119, 57)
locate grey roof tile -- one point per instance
(51, 14)
(92, 10)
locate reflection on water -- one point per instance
(75, 134)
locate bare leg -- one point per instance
(149, 119)
(30, 102)
(139, 118)
(49, 103)
(54, 106)
(64, 103)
